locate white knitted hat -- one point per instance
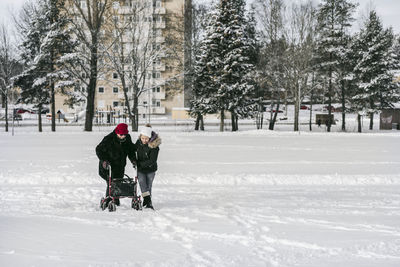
(146, 131)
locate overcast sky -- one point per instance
(388, 10)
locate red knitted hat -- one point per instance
(122, 128)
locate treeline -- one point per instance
(67, 46)
(275, 54)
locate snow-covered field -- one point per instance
(252, 198)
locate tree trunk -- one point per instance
(197, 125)
(221, 125)
(329, 101)
(371, 121)
(311, 104)
(234, 121)
(91, 88)
(6, 107)
(127, 104)
(359, 123)
(201, 122)
(53, 108)
(135, 122)
(296, 108)
(259, 116)
(237, 123)
(40, 118)
(343, 107)
(273, 121)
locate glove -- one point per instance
(105, 164)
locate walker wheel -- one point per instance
(111, 206)
(103, 203)
(136, 204)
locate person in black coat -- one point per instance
(147, 154)
(113, 151)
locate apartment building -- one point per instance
(163, 90)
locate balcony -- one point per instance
(159, 95)
(158, 110)
(159, 11)
(160, 67)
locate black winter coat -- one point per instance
(115, 152)
(147, 155)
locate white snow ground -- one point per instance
(252, 198)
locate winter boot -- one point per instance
(116, 201)
(147, 200)
(104, 202)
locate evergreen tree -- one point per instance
(205, 68)
(46, 50)
(236, 89)
(334, 18)
(32, 81)
(376, 61)
(223, 69)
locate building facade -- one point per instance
(162, 42)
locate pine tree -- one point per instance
(223, 80)
(334, 18)
(205, 68)
(374, 70)
(46, 49)
(32, 81)
(57, 50)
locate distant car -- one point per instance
(274, 110)
(44, 111)
(304, 107)
(22, 111)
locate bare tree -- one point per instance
(135, 52)
(8, 67)
(89, 18)
(271, 61)
(301, 43)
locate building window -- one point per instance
(101, 89)
(156, 103)
(157, 3)
(157, 62)
(115, 75)
(156, 75)
(144, 103)
(115, 104)
(156, 89)
(115, 90)
(115, 5)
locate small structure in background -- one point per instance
(324, 119)
(390, 119)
